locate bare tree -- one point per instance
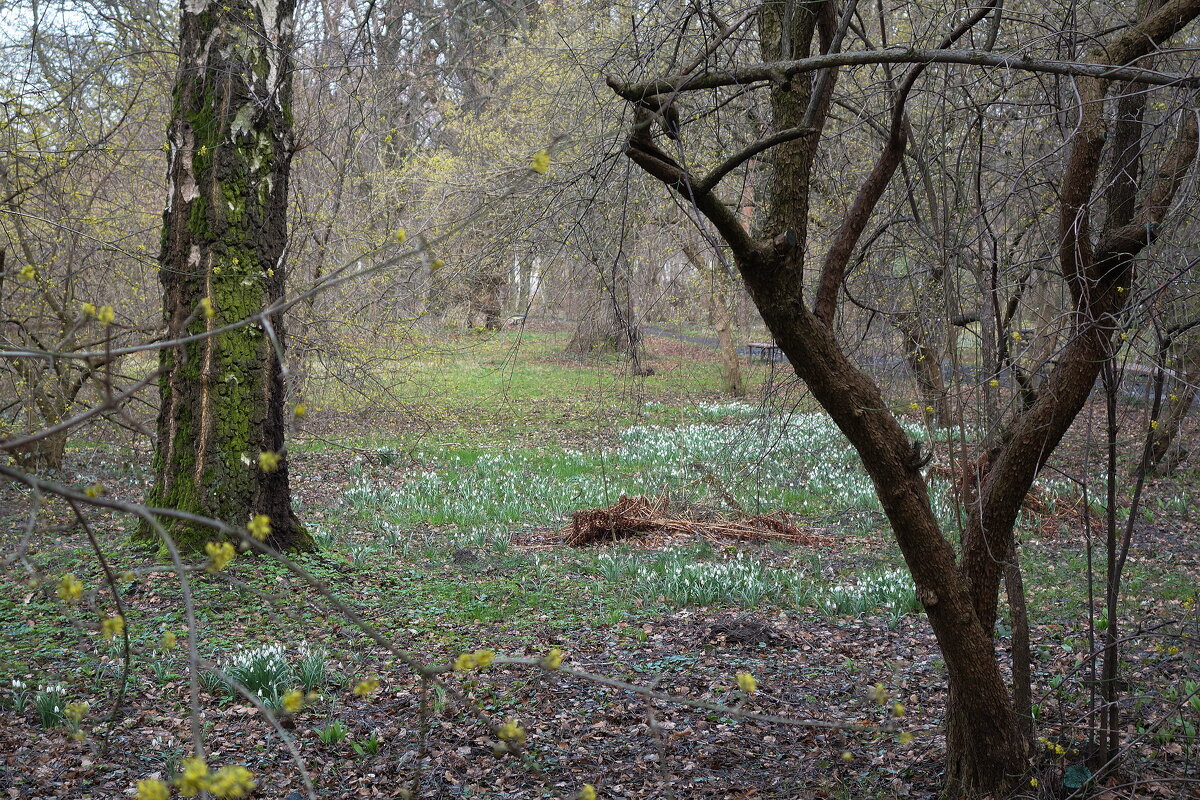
(985, 750)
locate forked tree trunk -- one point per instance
(986, 753)
(222, 262)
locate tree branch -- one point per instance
(781, 71)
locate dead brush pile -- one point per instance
(639, 516)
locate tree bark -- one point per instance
(222, 262)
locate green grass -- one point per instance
(512, 384)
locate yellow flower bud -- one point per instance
(365, 687)
(259, 526)
(541, 162)
(512, 733)
(268, 461)
(230, 783)
(293, 701)
(220, 554)
(112, 627)
(70, 588)
(553, 659)
(746, 682)
(75, 712)
(588, 792)
(193, 777)
(152, 789)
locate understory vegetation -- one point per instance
(442, 533)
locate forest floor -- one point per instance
(437, 496)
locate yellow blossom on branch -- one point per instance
(268, 461)
(94, 491)
(27, 272)
(230, 783)
(259, 526)
(746, 682)
(112, 627)
(477, 660)
(88, 309)
(553, 659)
(300, 410)
(219, 554)
(293, 701)
(365, 687)
(106, 315)
(588, 792)
(152, 789)
(193, 777)
(512, 733)
(75, 712)
(70, 588)
(541, 162)
(206, 306)
(168, 641)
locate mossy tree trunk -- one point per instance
(222, 262)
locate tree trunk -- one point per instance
(222, 262)
(731, 366)
(925, 362)
(610, 325)
(1166, 450)
(718, 297)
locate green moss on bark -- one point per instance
(224, 237)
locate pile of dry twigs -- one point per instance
(637, 516)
